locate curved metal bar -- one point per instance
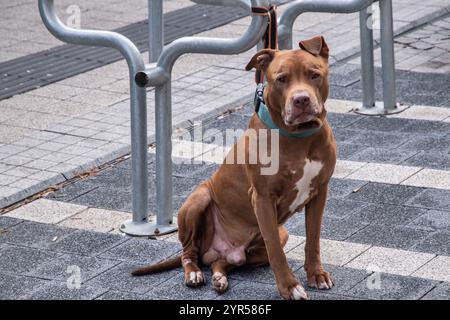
(138, 101)
(161, 72)
(293, 10)
(90, 37)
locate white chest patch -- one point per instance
(303, 186)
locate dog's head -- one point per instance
(297, 83)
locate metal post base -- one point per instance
(379, 110)
(150, 228)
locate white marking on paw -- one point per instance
(303, 185)
(200, 277)
(323, 285)
(221, 279)
(192, 276)
(298, 293)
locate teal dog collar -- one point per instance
(265, 117)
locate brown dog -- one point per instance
(236, 217)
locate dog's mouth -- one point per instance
(303, 121)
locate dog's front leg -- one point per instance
(317, 276)
(266, 215)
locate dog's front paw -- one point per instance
(293, 292)
(219, 282)
(320, 280)
(194, 278)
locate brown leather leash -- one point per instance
(270, 36)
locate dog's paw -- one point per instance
(320, 280)
(298, 293)
(219, 282)
(194, 278)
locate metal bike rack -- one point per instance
(369, 106)
(157, 74)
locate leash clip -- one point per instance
(259, 96)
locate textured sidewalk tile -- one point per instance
(432, 198)
(96, 220)
(385, 193)
(440, 292)
(432, 220)
(143, 251)
(36, 235)
(19, 260)
(340, 188)
(424, 113)
(7, 222)
(263, 274)
(425, 159)
(87, 242)
(120, 295)
(120, 278)
(436, 269)
(55, 290)
(175, 289)
(437, 243)
(336, 253)
(382, 286)
(384, 173)
(391, 237)
(343, 278)
(246, 290)
(386, 214)
(389, 260)
(15, 287)
(63, 267)
(340, 208)
(383, 155)
(46, 211)
(430, 178)
(345, 168)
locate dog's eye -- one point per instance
(315, 75)
(282, 79)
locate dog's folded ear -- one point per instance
(316, 46)
(261, 59)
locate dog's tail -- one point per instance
(163, 265)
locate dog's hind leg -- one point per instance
(190, 222)
(220, 269)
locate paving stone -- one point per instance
(426, 127)
(430, 178)
(392, 237)
(344, 168)
(262, 274)
(116, 199)
(46, 211)
(340, 208)
(347, 150)
(120, 295)
(36, 235)
(175, 289)
(436, 269)
(383, 155)
(7, 222)
(384, 173)
(432, 220)
(247, 290)
(340, 188)
(385, 193)
(440, 292)
(97, 220)
(87, 243)
(432, 198)
(380, 139)
(60, 291)
(437, 243)
(15, 287)
(385, 214)
(119, 278)
(72, 191)
(19, 260)
(392, 287)
(342, 119)
(430, 160)
(431, 144)
(332, 252)
(62, 267)
(143, 251)
(345, 135)
(380, 124)
(395, 261)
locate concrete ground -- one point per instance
(386, 233)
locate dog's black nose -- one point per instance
(301, 100)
